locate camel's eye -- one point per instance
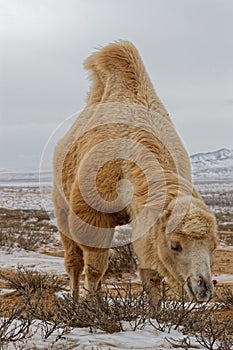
(176, 247)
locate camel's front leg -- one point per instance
(96, 263)
(152, 284)
(73, 263)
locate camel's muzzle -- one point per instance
(200, 289)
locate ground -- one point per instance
(29, 240)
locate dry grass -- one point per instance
(25, 229)
(122, 259)
(36, 307)
(109, 310)
(29, 281)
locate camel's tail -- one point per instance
(118, 74)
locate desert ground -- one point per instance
(30, 246)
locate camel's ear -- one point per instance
(176, 212)
(198, 223)
(195, 222)
(172, 218)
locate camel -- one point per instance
(123, 162)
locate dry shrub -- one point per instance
(184, 343)
(118, 308)
(27, 239)
(25, 229)
(30, 281)
(214, 334)
(109, 309)
(6, 240)
(13, 329)
(202, 321)
(226, 297)
(122, 259)
(100, 310)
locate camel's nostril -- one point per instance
(200, 282)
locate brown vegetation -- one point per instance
(210, 323)
(34, 298)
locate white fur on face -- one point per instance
(199, 280)
(189, 263)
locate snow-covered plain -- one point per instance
(81, 339)
(211, 173)
(29, 259)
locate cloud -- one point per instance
(229, 101)
(186, 47)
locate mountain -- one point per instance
(25, 178)
(213, 166)
(221, 154)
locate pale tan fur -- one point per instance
(119, 77)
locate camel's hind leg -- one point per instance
(73, 262)
(96, 263)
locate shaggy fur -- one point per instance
(125, 115)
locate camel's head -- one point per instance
(185, 252)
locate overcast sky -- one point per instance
(186, 46)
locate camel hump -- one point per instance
(118, 74)
(118, 56)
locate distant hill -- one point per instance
(213, 166)
(221, 154)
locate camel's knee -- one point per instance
(93, 274)
(74, 268)
(96, 263)
(150, 277)
(74, 263)
(152, 284)
(73, 254)
(75, 274)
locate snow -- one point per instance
(224, 278)
(25, 198)
(213, 166)
(6, 291)
(221, 154)
(147, 338)
(81, 338)
(38, 261)
(212, 172)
